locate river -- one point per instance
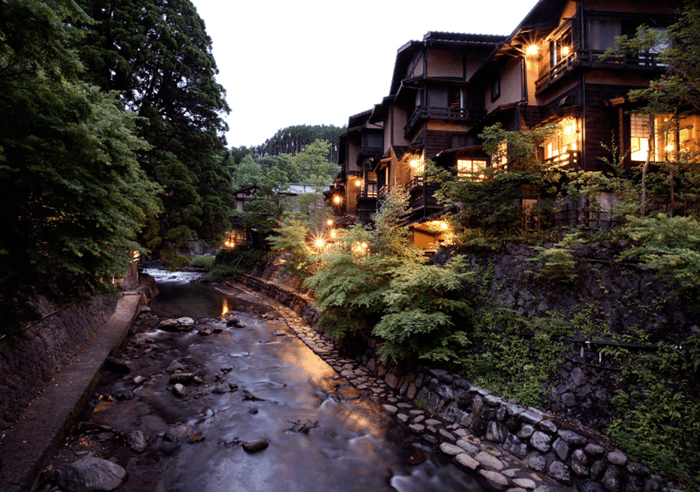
(323, 434)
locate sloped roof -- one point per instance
(442, 40)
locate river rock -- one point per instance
(487, 459)
(467, 461)
(175, 366)
(177, 324)
(572, 438)
(537, 462)
(590, 486)
(221, 388)
(495, 432)
(182, 378)
(235, 322)
(559, 471)
(138, 380)
(526, 431)
(206, 330)
(541, 441)
(561, 448)
(612, 479)
(515, 446)
(255, 446)
(579, 463)
(117, 365)
(549, 426)
(617, 458)
(179, 390)
(90, 474)
(450, 449)
(136, 441)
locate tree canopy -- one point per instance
(294, 139)
(157, 54)
(72, 194)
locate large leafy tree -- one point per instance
(72, 195)
(157, 54)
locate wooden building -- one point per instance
(446, 88)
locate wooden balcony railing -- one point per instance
(568, 160)
(444, 114)
(592, 59)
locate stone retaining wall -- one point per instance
(28, 360)
(301, 304)
(542, 442)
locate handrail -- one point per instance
(592, 58)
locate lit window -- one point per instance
(469, 167)
(500, 160)
(670, 137)
(559, 146)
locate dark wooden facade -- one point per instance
(446, 88)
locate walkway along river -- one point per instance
(237, 402)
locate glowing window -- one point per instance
(561, 144)
(467, 167)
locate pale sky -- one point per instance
(314, 62)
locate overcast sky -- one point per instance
(295, 62)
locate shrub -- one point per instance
(202, 262)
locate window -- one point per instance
(467, 167)
(560, 48)
(455, 98)
(670, 137)
(496, 87)
(639, 144)
(602, 32)
(558, 147)
(500, 159)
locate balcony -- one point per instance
(592, 59)
(569, 160)
(459, 115)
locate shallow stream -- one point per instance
(323, 434)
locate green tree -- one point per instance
(314, 167)
(675, 93)
(72, 195)
(157, 54)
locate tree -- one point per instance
(72, 195)
(675, 93)
(294, 139)
(314, 167)
(157, 54)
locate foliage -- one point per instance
(173, 261)
(675, 93)
(670, 244)
(202, 261)
(291, 237)
(157, 54)
(659, 413)
(349, 284)
(231, 262)
(294, 139)
(308, 167)
(72, 195)
(423, 303)
(557, 263)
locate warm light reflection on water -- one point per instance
(224, 306)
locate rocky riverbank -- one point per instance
(515, 448)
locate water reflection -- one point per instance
(350, 444)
